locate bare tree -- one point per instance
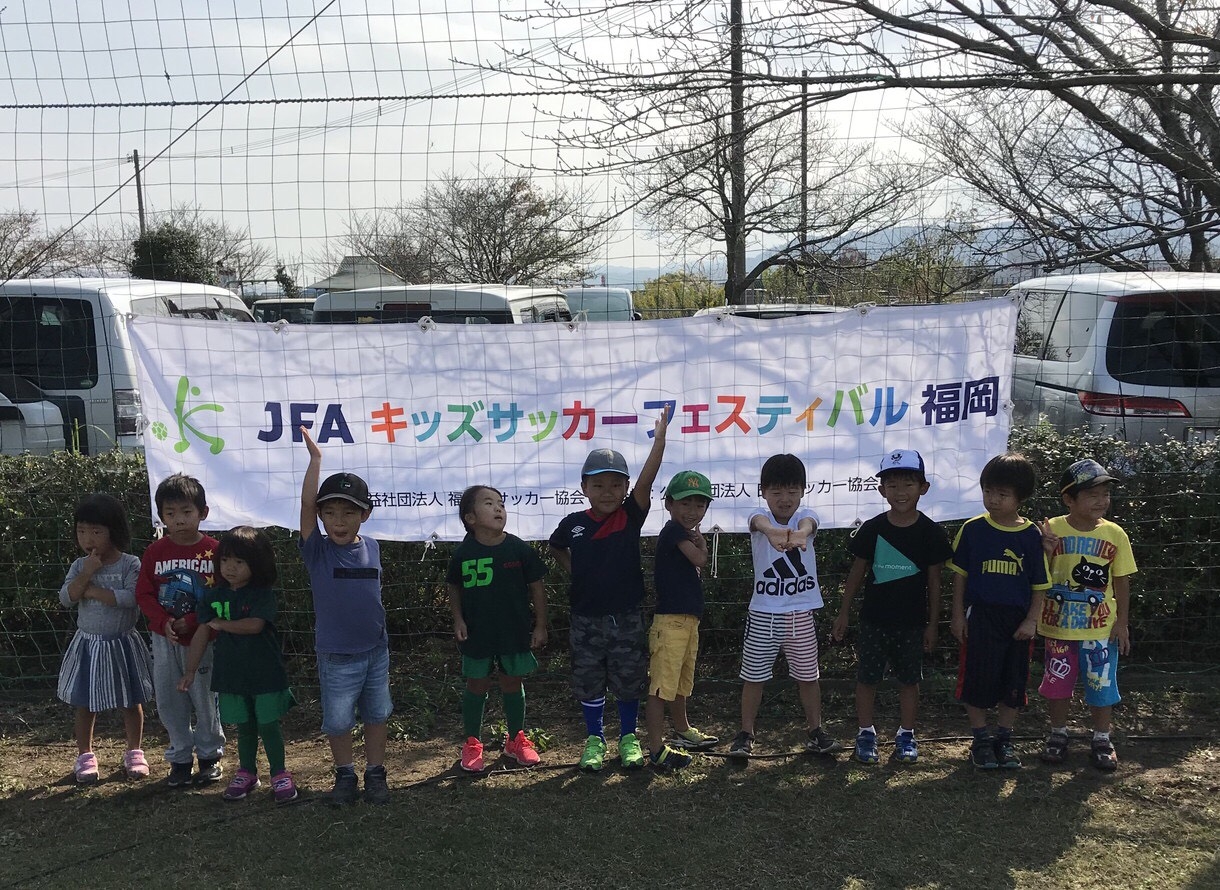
(389, 237)
(221, 245)
(506, 229)
(27, 251)
(1092, 129)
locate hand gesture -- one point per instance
(311, 446)
(930, 636)
(459, 630)
(91, 564)
(1050, 540)
(778, 538)
(798, 539)
(957, 626)
(838, 630)
(180, 627)
(538, 638)
(658, 429)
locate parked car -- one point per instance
(443, 303)
(1135, 354)
(294, 310)
(602, 303)
(771, 310)
(68, 337)
(36, 427)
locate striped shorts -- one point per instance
(767, 634)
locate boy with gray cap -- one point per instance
(1084, 616)
(600, 548)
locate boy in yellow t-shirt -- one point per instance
(1084, 616)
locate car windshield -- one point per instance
(1166, 340)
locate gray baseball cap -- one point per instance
(603, 460)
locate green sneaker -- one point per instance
(629, 753)
(594, 754)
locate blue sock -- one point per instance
(1003, 733)
(628, 716)
(979, 733)
(593, 711)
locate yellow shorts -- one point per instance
(673, 643)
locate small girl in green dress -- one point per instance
(248, 670)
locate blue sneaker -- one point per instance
(866, 747)
(905, 749)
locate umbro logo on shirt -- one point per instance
(578, 531)
(786, 577)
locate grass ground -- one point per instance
(785, 820)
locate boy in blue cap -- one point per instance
(600, 548)
(898, 559)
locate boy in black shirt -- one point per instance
(899, 555)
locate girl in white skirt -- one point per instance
(107, 663)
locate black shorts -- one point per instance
(901, 648)
(994, 667)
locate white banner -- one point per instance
(421, 414)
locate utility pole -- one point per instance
(734, 287)
(804, 232)
(135, 159)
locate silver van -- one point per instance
(68, 337)
(602, 303)
(443, 303)
(1132, 354)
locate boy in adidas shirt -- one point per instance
(786, 594)
(898, 559)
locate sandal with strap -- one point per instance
(1103, 756)
(1056, 748)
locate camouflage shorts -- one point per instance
(609, 653)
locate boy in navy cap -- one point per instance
(898, 559)
(1084, 616)
(600, 548)
(350, 626)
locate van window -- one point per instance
(1034, 323)
(293, 313)
(1166, 340)
(49, 340)
(189, 306)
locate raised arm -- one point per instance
(309, 487)
(652, 464)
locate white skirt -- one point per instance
(101, 673)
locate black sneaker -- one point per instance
(820, 742)
(669, 760)
(742, 747)
(1006, 755)
(209, 771)
(376, 789)
(346, 790)
(180, 774)
(982, 753)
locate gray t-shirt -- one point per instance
(95, 617)
(349, 618)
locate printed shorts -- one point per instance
(354, 683)
(994, 667)
(1067, 660)
(516, 664)
(901, 648)
(768, 633)
(609, 653)
(673, 644)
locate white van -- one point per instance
(1133, 354)
(770, 310)
(68, 337)
(443, 303)
(602, 303)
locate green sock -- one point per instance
(514, 711)
(247, 746)
(273, 744)
(472, 714)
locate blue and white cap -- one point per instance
(902, 460)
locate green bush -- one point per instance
(1169, 503)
